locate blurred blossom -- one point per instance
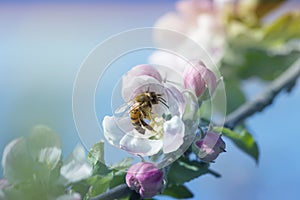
(210, 146)
(76, 167)
(200, 20)
(145, 178)
(3, 184)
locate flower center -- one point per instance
(158, 128)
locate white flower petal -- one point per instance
(50, 155)
(173, 134)
(170, 65)
(115, 128)
(175, 100)
(140, 146)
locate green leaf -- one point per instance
(99, 184)
(118, 179)
(282, 30)
(17, 162)
(96, 153)
(178, 192)
(240, 63)
(123, 164)
(243, 140)
(81, 187)
(184, 170)
(265, 65)
(100, 169)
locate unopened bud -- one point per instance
(145, 178)
(210, 146)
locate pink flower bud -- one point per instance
(198, 78)
(145, 178)
(210, 146)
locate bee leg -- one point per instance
(147, 126)
(163, 101)
(139, 128)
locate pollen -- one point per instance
(158, 127)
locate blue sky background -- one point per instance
(42, 46)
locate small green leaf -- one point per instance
(100, 169)
(184, 170)
(118, 179)
(178, 192)
(96, 153)
(243, 140)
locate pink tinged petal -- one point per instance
(210, 146)
(193, 80)
(3, 184)
(132, 86)
(140, 146)
(173, 134)
(146, 70)
(171, 66)
(198, 78)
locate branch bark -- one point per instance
(285, 81)
(115, 193)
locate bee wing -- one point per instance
(123, 108)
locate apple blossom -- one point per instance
(172, 122)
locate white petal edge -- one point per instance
(140, 146)
(173, 134)
(115, 128)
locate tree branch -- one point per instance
(285, 81)
(115, 193)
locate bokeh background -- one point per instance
(42, 45)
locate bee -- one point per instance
(140, 110)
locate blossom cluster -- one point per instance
(160, 118)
